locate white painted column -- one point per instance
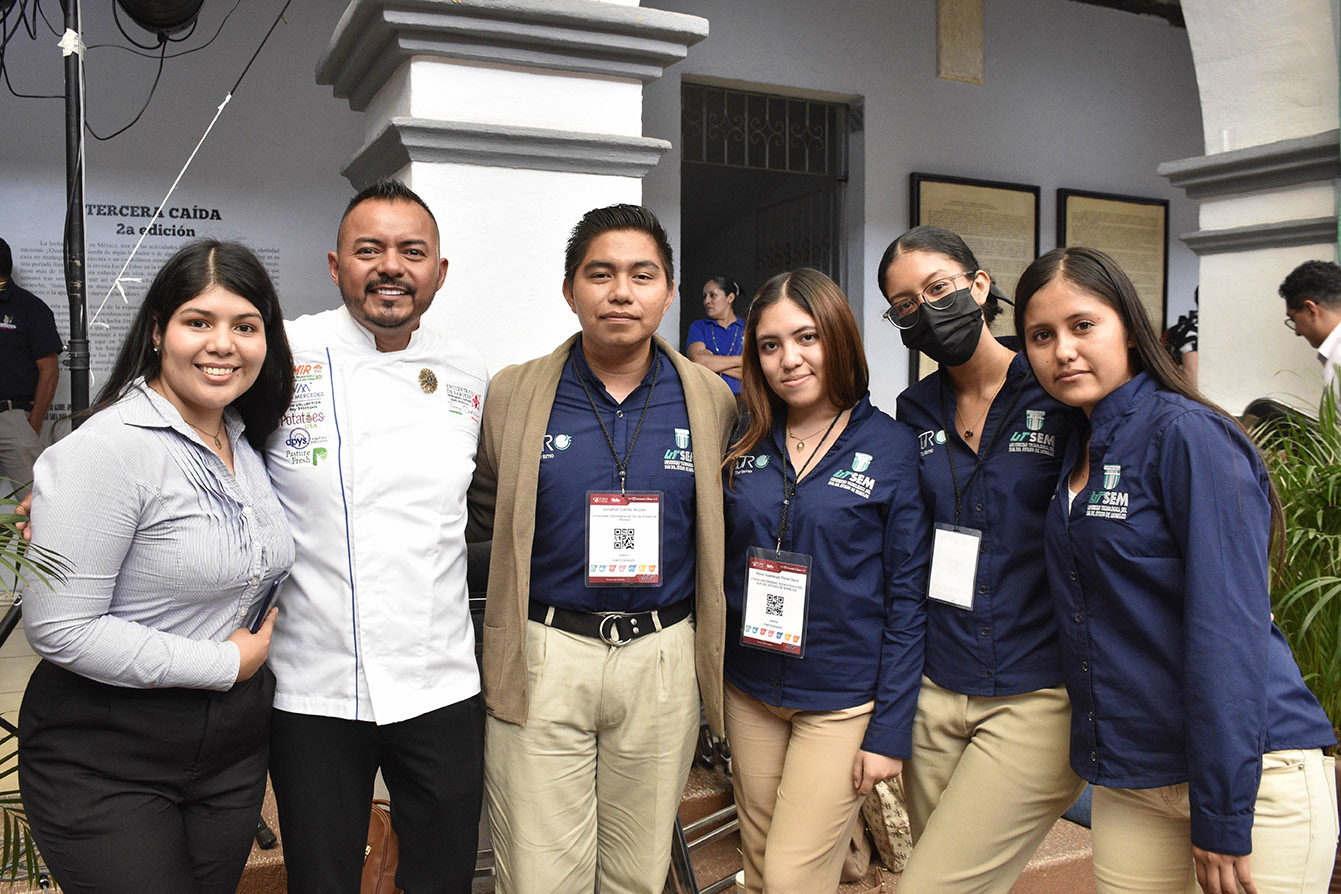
(512, 118)
(1267, 74)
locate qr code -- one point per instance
(773, 605)
(623, 538)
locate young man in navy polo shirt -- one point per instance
(29, 370)
(598, 477)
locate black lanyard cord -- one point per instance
(621, 464)
(985, 450)
(789, 485)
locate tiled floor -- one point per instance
(16, 665)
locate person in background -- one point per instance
(827, 547)
(988, 776)
(716, 342)
(1181, 340)
(30, 349)
(1312, 294)
(144, 729)
(1189, 713)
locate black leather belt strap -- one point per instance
(25, 405)
(611, 628)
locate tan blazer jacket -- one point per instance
(502, 503)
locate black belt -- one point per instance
(25, 405)
(611, 628)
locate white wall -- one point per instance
(270, 167)
(1076, 96)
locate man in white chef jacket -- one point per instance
(373, 651)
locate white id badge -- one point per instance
(777, 597)
(954, 565)
(624, 539)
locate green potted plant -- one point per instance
(1304, 457)
(19, 563)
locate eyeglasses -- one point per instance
(903, 314)
(1289, 324)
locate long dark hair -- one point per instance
(195, 267)
(1094, 272)
(846, 376)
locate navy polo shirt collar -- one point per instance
(594, 381)
(1117, 405)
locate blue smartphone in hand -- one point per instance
(263, 605)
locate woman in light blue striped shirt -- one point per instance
(144, 730)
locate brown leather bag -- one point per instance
(382, 853)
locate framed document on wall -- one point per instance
(1133, 230)
(998, 220)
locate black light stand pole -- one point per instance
(76, 271)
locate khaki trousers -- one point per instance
(19, 449)
(1142, 837)
(792, 775)
(987, 780)
(584, 797)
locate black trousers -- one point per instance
(323, 768)
(136, 790)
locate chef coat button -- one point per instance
(1090, 717)
(1094, 757)
(1079, 617)
(1072, 575)
(1085, 666)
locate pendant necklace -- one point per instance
(218, 444)
(968, 432)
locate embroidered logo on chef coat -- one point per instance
(1033, 419)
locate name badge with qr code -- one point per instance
(624, 539)
(777, 600)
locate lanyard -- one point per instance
(716, 348)
(621, 464)
(982, 454)
(789, 485)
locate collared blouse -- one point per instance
(169, 550)
(858, 514)
(1159, 572)
(1007, 644)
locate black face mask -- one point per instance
(950, 335)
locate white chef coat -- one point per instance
(371, 464)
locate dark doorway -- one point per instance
(761, 190)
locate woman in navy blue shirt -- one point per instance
(825, 573)
(989, 773)
(1189, 712)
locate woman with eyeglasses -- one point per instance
(826, 553)
(1189, 713)
(989, 775)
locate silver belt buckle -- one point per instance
(606, 638)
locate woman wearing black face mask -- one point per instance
(989, 772)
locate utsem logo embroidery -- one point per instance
(1109, 502)
(1033, 439)
(852, 479)
(679, 458)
